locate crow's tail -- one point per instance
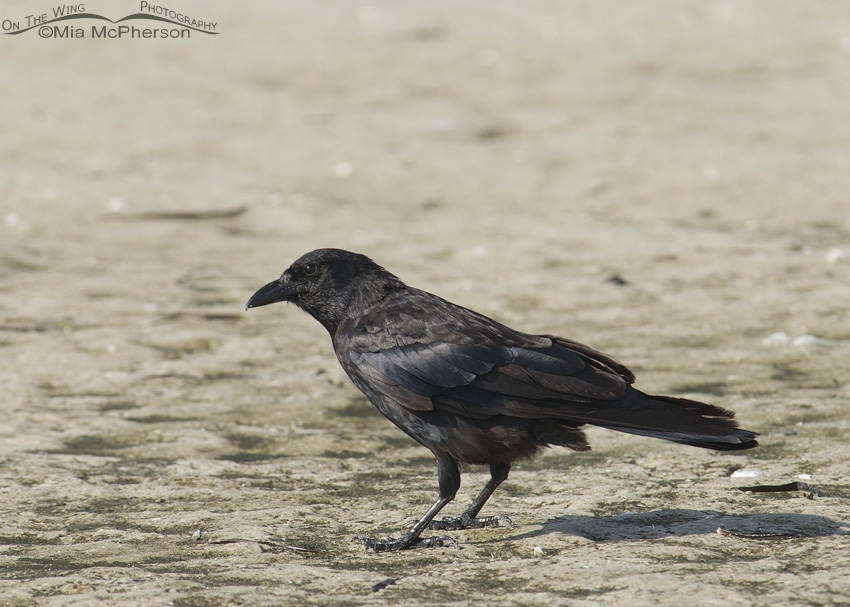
(682, 421)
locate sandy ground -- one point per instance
(512, 157)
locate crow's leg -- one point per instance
(449, 479)
(470, 519)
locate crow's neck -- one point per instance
(352, 302)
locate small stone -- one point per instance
(744, 473)
(116, 205)
(780, 338)
(834, 255)
(807, 340)
(343, 169)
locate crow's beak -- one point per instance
(282, 289)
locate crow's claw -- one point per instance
(451, 523)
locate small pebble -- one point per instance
(117, 205)
(710, 173)
(833, 255)
(781, 338)
(343, 169)
(746, 474)
(776, 338)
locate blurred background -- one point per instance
(665, 180)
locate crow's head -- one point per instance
(330, 285)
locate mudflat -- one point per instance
(666, 181)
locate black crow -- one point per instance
(472, 390)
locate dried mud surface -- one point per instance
(664, 180)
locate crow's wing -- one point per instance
(424, 353)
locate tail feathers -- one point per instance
(735, 440)
(684, 421)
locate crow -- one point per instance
(472, 390)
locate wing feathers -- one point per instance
(529, 377)
(387, 363)
(556, 360)
(565, 380)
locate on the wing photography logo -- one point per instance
(69, 21)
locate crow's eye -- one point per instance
(310, 269)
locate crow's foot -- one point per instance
(451, 523)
